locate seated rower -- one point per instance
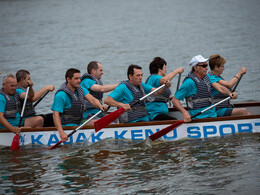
(216, 64)
(10, 105)
(23, 77)
(130, 91)
(92, 82)
(196, 89)
(156, 105)
(69, 103)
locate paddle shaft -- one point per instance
(179, 80)
(79, 127)
(39, 100)
(16, 139)
(142, 98)
(166, 130)
(237, 83)
(24, 103)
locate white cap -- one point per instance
(197, 59)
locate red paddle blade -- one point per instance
(106, 120)
(15, 143)
(166, 130)
(54, 146)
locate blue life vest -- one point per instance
(12, 105)
(220, 96)
(29, 109)
(138, 110)
(203, 96)
(97, 95)
(163, 97)
(75, 112)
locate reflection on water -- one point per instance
(200, 166)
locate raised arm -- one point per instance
(103, 88)
(232, 82)
(170, 75)
(30, 94)
(39, 93)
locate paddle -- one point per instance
(75, 130)
(40, 99)
(106, 120)
(16, 139)
(178, 84)
(166, 130)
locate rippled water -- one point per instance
(213, 166)
(49, 36)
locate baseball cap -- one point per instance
(197, 59)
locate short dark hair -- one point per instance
(92, 65)
(21, 74)
(157, 64)
(130, 70)
(70, 72)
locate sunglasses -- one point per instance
(203, 66)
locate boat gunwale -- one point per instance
(150, 123)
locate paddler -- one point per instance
(10, 105)
(196, 89)
(23, 77)
(92, 82)
(69, 102)
(130, 91)
(156, 105)
(217, 66)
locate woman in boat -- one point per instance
(196, 89)
(217, 66)
(156, 105)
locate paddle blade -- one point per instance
(15, 143)
(54, 146)
(164, 131)
(106, 120)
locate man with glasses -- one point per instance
(196, 89)
(217, 66)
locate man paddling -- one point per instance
(196, 89)
(68, 105)
(217, 66)
(23, 77)
(92, 82)
(10, 104)
(129, 92)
